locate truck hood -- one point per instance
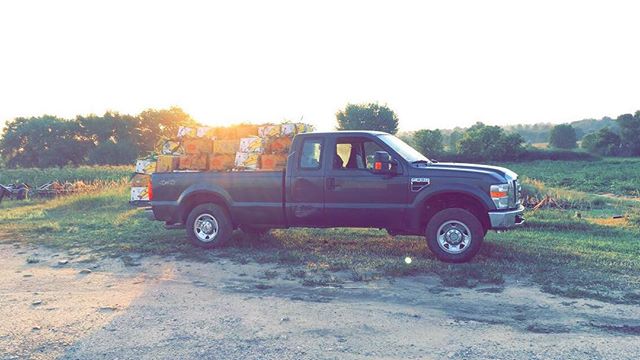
(481, 169)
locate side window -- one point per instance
(370, 149)
(355, 153)
(310, 156)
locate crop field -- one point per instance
(618, 176)
(88, 174)
(576, 251)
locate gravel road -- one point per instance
(73, 306)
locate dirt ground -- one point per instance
(74, 306)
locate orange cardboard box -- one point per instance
(245, 130)
(221, 162)
(140, 180)
(194, 162)
(197, 146)
(273, 162)
(229, 147)
(279, 145)
(167, 163)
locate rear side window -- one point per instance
(311, 154)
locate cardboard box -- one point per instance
(248, 160)
(269, 131)
(288, 129)
(229, 147)
(146, 166)
(140, 180)
(167, 163)
(279, 145)
(206, 132)
(194, 146)
(251, 145)
(171, 147)
(139, 194)
(245, 130)
(184, 131)
(221, 162)
(273, 161)
(292, 129)
(194, 162)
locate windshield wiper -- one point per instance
(422, 162)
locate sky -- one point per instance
(437, 64)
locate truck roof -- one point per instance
(346, 132)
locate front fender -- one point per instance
(436, 189)
(467, 189)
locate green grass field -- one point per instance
(619, 176)
(593, 256)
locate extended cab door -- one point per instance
(305, 186)
(354, 195)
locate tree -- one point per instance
(482, 142)
(630, 133)
(429, 142)
(604, 142)
(367, 117)
(454, 138)
(111, 153)
(154, 125)
(563, 136)
(42, 142)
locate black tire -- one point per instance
(199, 236)
(456, 222)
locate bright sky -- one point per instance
(438, 64)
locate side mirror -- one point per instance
(383, 163)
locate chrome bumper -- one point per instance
(501, 220)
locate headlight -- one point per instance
(501, 194)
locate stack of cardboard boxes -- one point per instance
(235, 148)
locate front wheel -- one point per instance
(454, 235)
(208, 226)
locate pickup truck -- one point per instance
(346, 179)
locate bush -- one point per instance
(532, 154)
(563, 136)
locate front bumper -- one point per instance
(501, 220)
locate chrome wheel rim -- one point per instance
(206, 227)
(454, 237)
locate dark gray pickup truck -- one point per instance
(346, 179)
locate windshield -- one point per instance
(402, 148)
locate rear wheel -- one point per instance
(454, 235)
(208, 226)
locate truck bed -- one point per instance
(256, 197)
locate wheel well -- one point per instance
(455, 200)
(196, 199)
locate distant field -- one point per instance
(37, 177)
(619, 176)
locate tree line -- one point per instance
(109, 139)
(115, 139)
(481, 142)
